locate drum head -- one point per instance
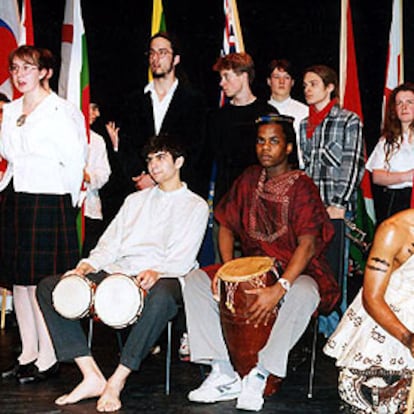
(118, 301)
(72, 297)
(245, 268)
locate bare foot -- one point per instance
(110, 399)
(91, 387)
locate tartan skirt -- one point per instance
(38, 236)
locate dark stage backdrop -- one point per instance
(306, 32)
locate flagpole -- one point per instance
(342, 49)
(401, 71)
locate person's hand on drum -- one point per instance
(147, 279)
(82, 269)
(264, 307)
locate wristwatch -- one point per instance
(284, 283)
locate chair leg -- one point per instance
(3, 308)
(168, 359)
(313, 359)
(90, 333)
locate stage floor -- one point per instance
(145, 393)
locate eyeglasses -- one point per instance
(24, 69)
(161, 53)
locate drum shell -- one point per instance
(244, 340)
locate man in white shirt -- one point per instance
(95, 176)
(280, 80)
(155, 238)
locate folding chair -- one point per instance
(120, 345)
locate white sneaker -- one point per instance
(217, 387)
(251, 396)
(184, 350)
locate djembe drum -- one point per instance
(118, 301)
(244, 340)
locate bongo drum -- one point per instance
(118, 300)
(73, 296)
(244, 340)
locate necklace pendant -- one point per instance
(21, 120)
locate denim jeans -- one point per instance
(160, 305)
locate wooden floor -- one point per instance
(144, 392)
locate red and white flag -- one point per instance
(394, 74)
(74, 74)
(232, 36)
(349, 90)
(9, 37)
(26, 24)
(74, 70)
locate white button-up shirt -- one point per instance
(47, 154)
(160, 107)
(401, 160)
(155, 230)
(99, 171)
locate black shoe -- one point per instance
(25, 375)
(17, 369)
(51, 372)
(38, 376)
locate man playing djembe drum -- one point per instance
(274, 211)
(155, 237)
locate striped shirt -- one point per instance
(334, 157)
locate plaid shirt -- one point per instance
(334, 157)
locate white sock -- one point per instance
(262, 371)
(224, 367)
(257, 379)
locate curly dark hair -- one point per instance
(392, 129)
(164, 142)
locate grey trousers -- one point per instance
(160, 305)
(204, 329)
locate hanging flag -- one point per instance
(232, 42)
(9, 36)
(158, 18)
(394, 73)
(157, 24)
(26, 24)
(74, 72)
(351, 100)
(232, 38)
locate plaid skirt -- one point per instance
(38, 236)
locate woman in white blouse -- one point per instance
(392, 161)
(43, 139)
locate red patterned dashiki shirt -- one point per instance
(268, 216)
